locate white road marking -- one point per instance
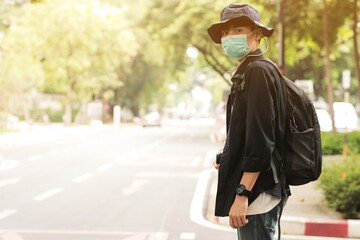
(35, 158)
(53, 152)
(136, 237)
(73, 232)
(195, 162)
(166, 175)
(82, 178)
(6, 164)
(10, 181)
(212, 138)
(65, 149)
(198, 201)
(135, 186)
(11, 236)
(48, 194)
(105, 167)
(158, 236)
(187, 235)
(126, 159)
(6, 213)
(209, 158)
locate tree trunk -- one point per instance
(356, 47)
(328, 69)
(68, 108)
(26, 109)
(281, 39)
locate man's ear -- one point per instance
(258, 34)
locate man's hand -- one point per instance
(237, 214)
(217, 166)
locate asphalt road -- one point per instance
(85, 183)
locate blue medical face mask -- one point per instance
(236, 46)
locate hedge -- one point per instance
(341, 184)
(333, 144)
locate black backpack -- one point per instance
(302, 160)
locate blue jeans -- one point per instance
(261, 226)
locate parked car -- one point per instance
(345, 117)
(151, 119)
(324, 120)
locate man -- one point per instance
(248, 191)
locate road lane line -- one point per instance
(6, 213)
(195, 162)
(53, 152)
(82, 178)
(212, 137)
(105, 167)
(136, 237)
(127, 159)
(11, 236)
(10, 181)
(72, 232)
(35, 158)
(157, 143)
(69, 148)
(6, 164)
(166, 175)
(198, 202)
(135, 186)
(187, 236)
(48, 194)
(209, 158)
(158, 236)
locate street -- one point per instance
(84, 183)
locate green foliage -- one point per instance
(83, 48)
(341, 184)
(333, 144)
(354, 142)
(132, 50)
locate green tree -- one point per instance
(85, 54)
(355, 25)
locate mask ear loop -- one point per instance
(266, 49)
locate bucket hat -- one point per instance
(239, 12)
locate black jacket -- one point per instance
(255, 125)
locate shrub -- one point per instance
(55, 116)
(332, 144)
(354, 142)
(341, 184)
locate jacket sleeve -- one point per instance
(260, 120)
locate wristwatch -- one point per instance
(242, 191)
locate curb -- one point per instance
(290, 225)
(324, 228)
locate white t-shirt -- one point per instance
(263, 204)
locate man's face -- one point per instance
(237, 30)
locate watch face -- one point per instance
(241, 191)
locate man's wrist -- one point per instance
(242, 191)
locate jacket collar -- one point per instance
(250, 58)
(239, 74)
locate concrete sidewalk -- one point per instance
(304, 214)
